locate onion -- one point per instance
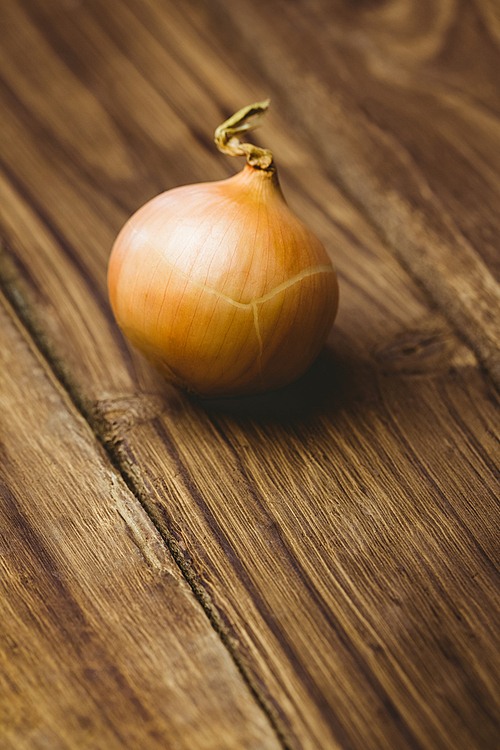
(219, 285)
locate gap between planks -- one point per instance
(23, 315)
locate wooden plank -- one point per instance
(103, 644)
(403, 104)
(331, 525)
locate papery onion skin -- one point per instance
(222, 288)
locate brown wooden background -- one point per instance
(314, 568)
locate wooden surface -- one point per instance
(341, 535)
(103, 644)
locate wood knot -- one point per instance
(115, 416)
(417, 352)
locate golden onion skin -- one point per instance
(222, 288)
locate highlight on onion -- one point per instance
(219, 285)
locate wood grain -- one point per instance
(103, 644)
(402, 101)
(345, 530)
